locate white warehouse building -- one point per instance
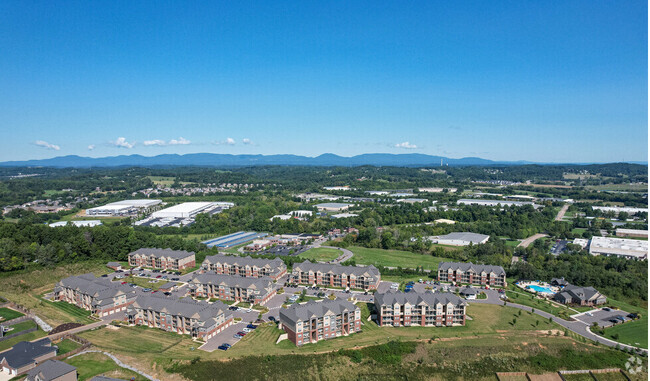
(189, 209)
(460, 239)
(121, 208)
(620, 247)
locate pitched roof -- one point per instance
(273, 264)
(24, 352)
(232, 281)
(316, 309)
(414, 298)
(176, 254)
(102, 289)
(187, 308)
(307, 266)
(581, 293)
(49, 370)
(468, 291)
(444, 266)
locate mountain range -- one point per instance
(226, 160)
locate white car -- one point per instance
(247, 330)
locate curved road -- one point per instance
(346, 254)
(578, 327)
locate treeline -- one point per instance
(23, 245)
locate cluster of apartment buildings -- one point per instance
(166, 259)
(100, 296)
(252, 290)
(334, 275)
(244, 266)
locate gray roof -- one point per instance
(307, 266)
(232, 281)
(444, 266)
(415, 298)
(101, 289)
(24, 352)
(49, 370)
(176, 254)
(579, 293)
(275, 264)
(559, 281)
(468, 291)
(465, 236)
(167, 286)
(187, 308)
(316, 309)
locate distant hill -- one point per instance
(225, 160)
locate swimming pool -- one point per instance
(540, 289)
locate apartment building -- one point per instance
(200, 320)
(331, 275)
(320, 320)
(232, 287)
(165, 259)
(100, 296)
(469, 273)
(245, 266)
(428, 309)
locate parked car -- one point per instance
(241, 333)
(271, 318)
(222, 347)
(158, 276)
(251, 326)
(125, 282)
(146, 289)
(632, 315)
(174, 278)
(237, 336)
(606, 309)
(619, 317)
(167, 293)
(615, 321)
(226, 345)
(233, 308)
(247, 330)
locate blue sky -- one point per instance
(551, 81)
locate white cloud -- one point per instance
(155, 142)
(122, 143)
(406, 145)
(247, 141)
(179, 141)
(91, 147)
(173, 142)
(44, 144)
(230, 141)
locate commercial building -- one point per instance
(52, 370)
(165, 259)
(122, 208)
(338, 188)
(437, 190)
(232, 287)
(460, 239)
(344, 215)
(584, 296)
(200, 320)
(333, 207)
(245, 266)
(428, 309)
(297, 214)
(322, 274)
(618, 209)
(320, 320)
(444, 221)
(233, 239)
(620, 247)
(26, 355)
(82, 223)
(582, 242)
(636, 233)
(500, 203)
(469, 273)
(412, 200)
(100, 296)
(190, 209)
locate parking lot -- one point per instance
(601, 317)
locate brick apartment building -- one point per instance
(232, 287)
(469, 273)
(200, 320)
(245, 266)
(165, 259)
(100, 296)
(403, 309)
(330, 275)
(320, 320)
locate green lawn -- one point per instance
(394, 258)
(145, 282)
(79, 314)
(66, 346)
(527, 299)
(632, 332)
(9, 314)
(512, 242)
(22, 327)
(162, 180)
(321, 254)
(6, 344)
(90, 365)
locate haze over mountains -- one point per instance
(219, 160)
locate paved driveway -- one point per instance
(601, 317)
(226, 336)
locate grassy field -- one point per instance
(90, 365)
(321, 254)
(161, 180)
(619, 187)
(145, 282)
(9, 314)
(632, 332)
(26, 288)
(79, 315)
(66, 346)
(527, 299)
(28, 324)
(512, 242)
(394, 258)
